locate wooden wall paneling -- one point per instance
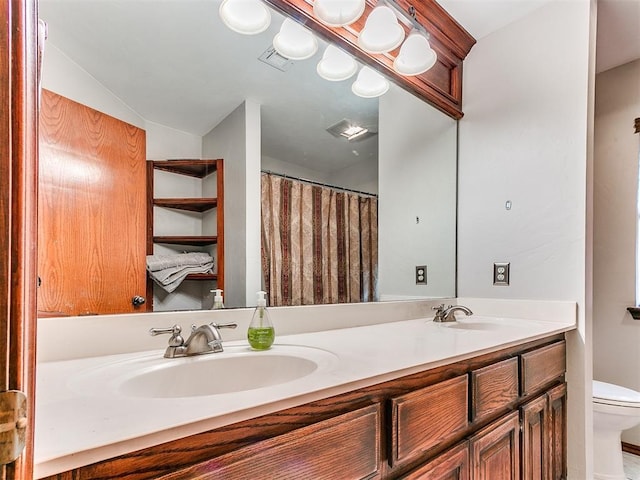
(18, 187)
(441, 86)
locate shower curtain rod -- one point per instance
(320, 184)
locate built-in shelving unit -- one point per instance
(192, 168)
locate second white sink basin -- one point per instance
(236, 369)
(479, 324)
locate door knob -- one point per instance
(137, 301)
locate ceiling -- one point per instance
(618, 24)
(176, 64)
(618, 40)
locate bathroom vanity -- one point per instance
(493, 407)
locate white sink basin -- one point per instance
(479, 324)
(234, 370)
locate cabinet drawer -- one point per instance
(493, 388)
(427, 417)
(541, 366)
(346, 447)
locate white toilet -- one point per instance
(615, 409)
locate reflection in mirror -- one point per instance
(200, 90)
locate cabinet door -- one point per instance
(495, 450)
(91, 211)
(535, 440)
(450, 465)
(557, 436)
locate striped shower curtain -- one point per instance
(319, 245)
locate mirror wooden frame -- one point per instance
(440, 86)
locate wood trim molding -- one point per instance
(635, 312)
(441, 86)
(18, 210)
(637, 125)
(630, 448)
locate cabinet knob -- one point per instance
(138, 300)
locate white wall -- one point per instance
(615, 334)
(64, 77)
(524, 138)
(286, 168)
(361, 176)
(417, 178)
(237, 140)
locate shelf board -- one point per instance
(196, 240)
(190, 204)
(201, 276)
(191, 168)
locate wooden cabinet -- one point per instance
(450, 465)
(495, 450)
(460, 421)
(557, 432)
(424, 418)
(544, 436)
(541, 366)
(493, 388)
(209, 238)
(535, 444)
(345, 447)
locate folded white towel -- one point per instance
(161, 262)
(170, 278)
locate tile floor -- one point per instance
(631, 466)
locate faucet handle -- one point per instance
(439, 308)
(176, 339)
(223, 325)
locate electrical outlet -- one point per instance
(421, 275)
(501, 273)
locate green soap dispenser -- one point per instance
(217, 299)
(261, 333)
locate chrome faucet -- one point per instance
(447, 314)
(203, 339)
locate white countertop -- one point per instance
(77, 425)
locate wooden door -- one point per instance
(453, 464)
(557, 434)
(495, 451)
(91, 210)
(18, 186)
(535, 441)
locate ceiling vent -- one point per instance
(351, 131)
(275, 60)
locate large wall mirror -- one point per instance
(200, 90)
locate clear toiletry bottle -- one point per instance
(261, 333)
(217, 299)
